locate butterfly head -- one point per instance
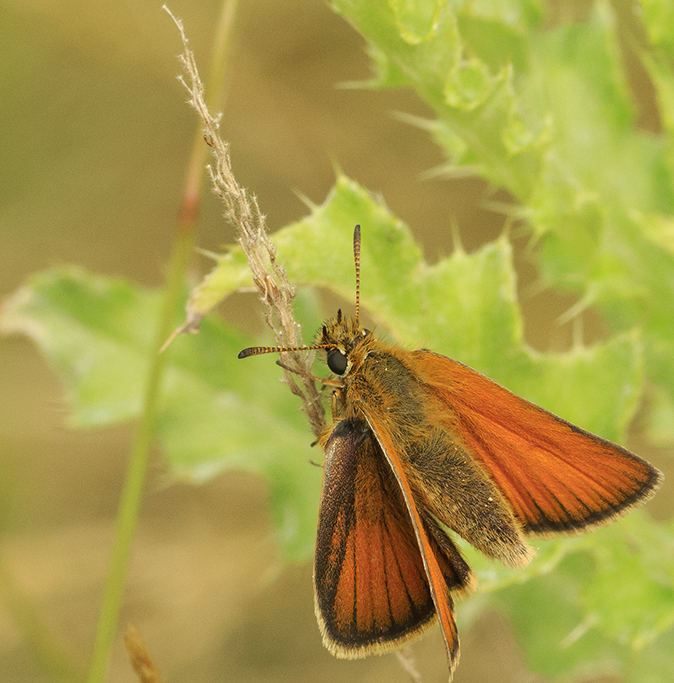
(345, 342)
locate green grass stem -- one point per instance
(134, 484)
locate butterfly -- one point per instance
(422, 447)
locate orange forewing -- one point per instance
(440, 587)
(371, 583)
(557, 477)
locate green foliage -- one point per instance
(547, 114)
(97, 331)
(544, 112)
(604, 609)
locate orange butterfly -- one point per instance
(420, 443)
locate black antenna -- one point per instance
(259, 350)
(356, 258)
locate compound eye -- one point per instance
(337, 361)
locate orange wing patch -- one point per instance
(370, 586)
(557, 477)
(433, 552)
(371, 589)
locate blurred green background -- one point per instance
(95, 138)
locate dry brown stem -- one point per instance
(270, 278)
(140, 658)
(406, 660)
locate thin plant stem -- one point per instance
(269, 276)
(135, 477)
(215, 96)
(173, 291)
(406, 660)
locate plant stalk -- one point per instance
(134, 484)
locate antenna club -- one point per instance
(251, 351)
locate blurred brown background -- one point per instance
(95, 138)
